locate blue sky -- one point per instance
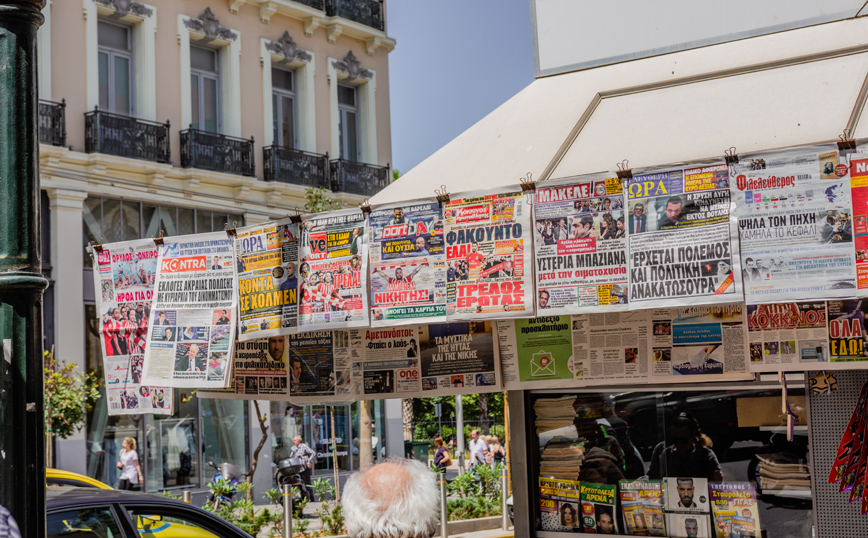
(455, 61)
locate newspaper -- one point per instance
(734, 509)
(642, 506)
(488, 252)
(795, 219)
(267, 279)
(859, 198)
(124, 276)
(669, 345)
(687, 507)
(580, 243)
(334, 268)
(683, 245)
(599, 508)
(320, 368)
(559, 505)
(259, 372)
(193, 316)
(408, 264)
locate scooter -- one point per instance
(231, 474)
(288, 473)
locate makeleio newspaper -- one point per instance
(489, 255)
(259, 373)
(334, 267)
(267, 256)
(580, 245)
(124, 275)
(683, 245)
(192, 322)
(408, 264)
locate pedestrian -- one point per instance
(131, 470)
(478, 449)
(307, 457)
(498, 451)
(396, 498)
(442, 460)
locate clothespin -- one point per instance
(231, 231)
(442, 194)
(527, 183)
(159, 240)
(624, 171)
(845, 143)
(730, 156)
(365, 207)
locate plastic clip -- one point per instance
(730, 156)
(442, 194)
(527, 183)
(845, 143)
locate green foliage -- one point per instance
(68, 396)
(241, 512)
(318, 200)
(330, 513)
(478, 493)
(472, 508)
(426, 422)
(395, 174)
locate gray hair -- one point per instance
(398, 498)
(297, 437)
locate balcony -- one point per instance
(52, 123)
(216, 152)
(367, 12)
(296, 167)
(125, 136)
(358, 178)
(316, 4)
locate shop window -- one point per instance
(224, 433)
(173, 457)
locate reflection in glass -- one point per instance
(168, 220)
(172, 455)
(224, 432)
(132, 226)
(112, 225)
(185, 221)
(151, 220)
(92, 229)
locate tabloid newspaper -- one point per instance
(408, 264)
(488, 252)
(334, 267)
(599, 507)
(124, 276)
(559, 505)
(689, 344)
(580, 243)
(192, 322)
(259, 373)
(795, 219)
(320, 367)
(267, 257)
(734, 509)
(683, 244)
(642, 507)
(688, 511)
(859, 195)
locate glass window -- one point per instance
(224, 432)
(204, 89)
(203, 221)
(346, 95)
(220, 221)
(348, 125)
(113, 36)
(83, 523)
(151, 220)
(203, 59)
(92, 217)
(115, 68)
(158, 521)
(287, 421)
(169, 220)
(112, 224)
(132, 223)
(173, 459)
(185, 221)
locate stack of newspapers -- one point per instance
(554, 413)
(783, 471)
(562, 459)
(562, 447)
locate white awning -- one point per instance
(796, 87)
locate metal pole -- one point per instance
(444, 508)
(188, 497)
(335, 459)
(459, 414)
(504, 495)
(287, 511)
(22, 427)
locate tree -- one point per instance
(396, 174)
(484, 422)
(407, 412)
(263, 427)
(318, 200)
(68, 398)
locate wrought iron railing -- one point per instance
(358, 178)
(52, 123)
(217, 152)
(316, 4)
(126, 136)
(296, 167)
(368, 12)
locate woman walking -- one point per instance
(131, 470)
(441, 456)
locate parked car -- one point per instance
(59, 477)
(93, 512)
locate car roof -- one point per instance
(64, 495)
(69, 475)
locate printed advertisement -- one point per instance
(734, 504)
(642, 506)
(192, 322)
(580, 243)
(794, 216)
(688, 508)
(682, 238)
(267, 257)
(488, 254)
(124, 275)
(320, 369)
(408, 264)
(260, 372)
(334, 268)
(559, 505)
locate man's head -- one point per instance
(543, 299)
(673, 208)
(399, 214)
(685, 490)
(399, 274)
(162, 316)
(194, 350)
(290, 270)
(691, 527)
(749, 263)
(723, 268)
(474, 247)
(474, 434)
(638, 209)
(395, 498)
(295, 367)
(216, 260)
(223, 313)
(276, 347)
(420, 243)
(585, 225)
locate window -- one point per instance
(115, 68)
(283, 106)
(159, 521)
(205, 89)
(83, 523)
(348, 123)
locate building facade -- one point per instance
(166, 117)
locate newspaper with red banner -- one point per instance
(489, 254)
(333, 268)
(193, 318)
(124, 275)
(580, 245)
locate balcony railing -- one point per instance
(316, 4)
(125, 136)
(358, 178)
(52, 123)
(217, 152)
(367, 12)
(296, 167)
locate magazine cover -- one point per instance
(559, 505)
(642, 507)
(688, 508)
(598, 508)
(731, 500)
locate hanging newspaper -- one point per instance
(320, 368)
(333, 271)
(267, 279)
(425, 360)
(408, 264)
(682, 244)
(674, 345)
(260, 372)
(488, 254)
(859, 193)
(794, 215)
(124, 276)
(580, 243)
(196, 296)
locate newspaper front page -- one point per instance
(580, 242)
(320, 367)
(193, 319)
(259, 373)
(124, 275)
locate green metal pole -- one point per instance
(22, 446)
